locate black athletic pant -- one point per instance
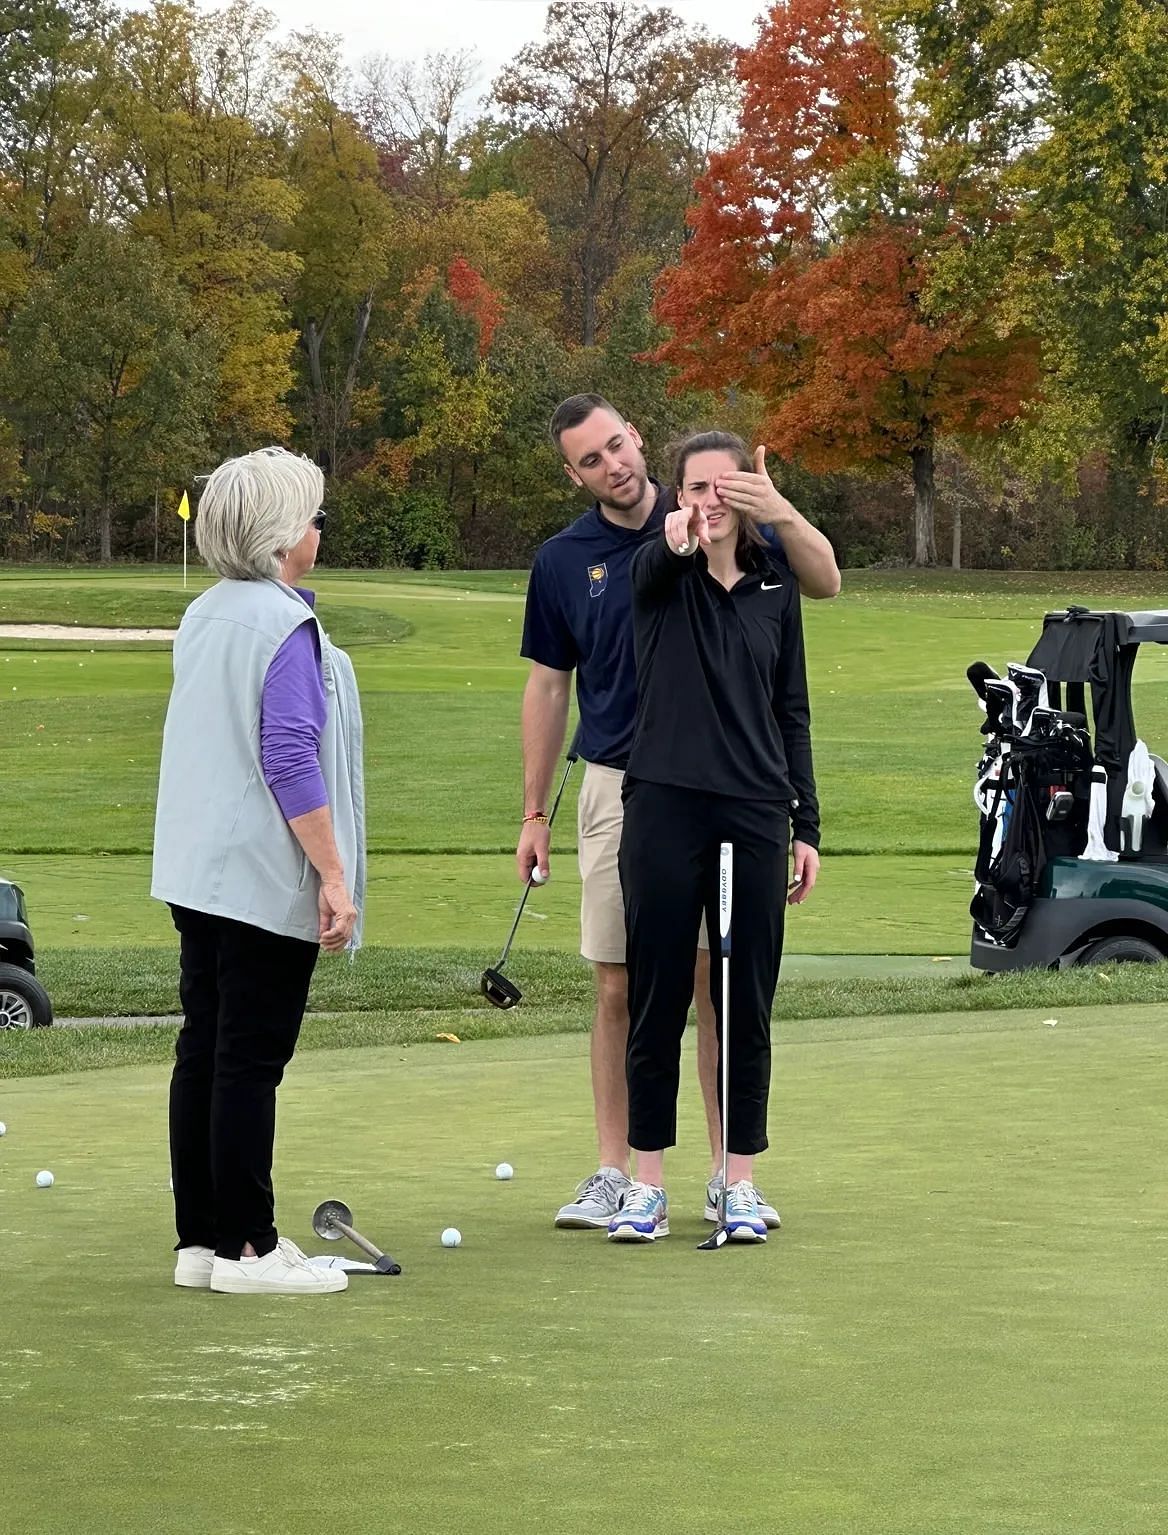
(669, 875)
(243, 993)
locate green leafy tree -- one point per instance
(344, 237)
(111, 379)
(598, 101)
(207, 181)
(1071, 100)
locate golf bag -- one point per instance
(1033, 792)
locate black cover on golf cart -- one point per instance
(1080, 647)
(1083, 648)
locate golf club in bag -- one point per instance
(720, 1235)
(495, 986)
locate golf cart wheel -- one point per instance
(24, 1002)
(1120, 950)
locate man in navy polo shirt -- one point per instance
(579, 618)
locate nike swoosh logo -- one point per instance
(772, 587)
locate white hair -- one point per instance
(254, 509)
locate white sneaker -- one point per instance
(192, 1268)
(283, 1271)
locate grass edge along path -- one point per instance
(559, 1001)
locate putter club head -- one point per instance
(325, 1216)
(715, 1240)
(498, 990)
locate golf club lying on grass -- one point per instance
(720, 1234)
(334, 1220)
(495, 986)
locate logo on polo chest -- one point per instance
(597, 579)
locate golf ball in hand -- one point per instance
(452, 1237)
(504, 1170)
(538, 876)
(44, 1180)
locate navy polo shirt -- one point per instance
(579, 617)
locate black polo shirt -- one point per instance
(579, 617)
(722, 680)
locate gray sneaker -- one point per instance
(597, 1201)
(768, 1212)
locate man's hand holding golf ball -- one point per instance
(534, 849)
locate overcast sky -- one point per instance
(495, 29)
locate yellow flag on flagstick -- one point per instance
(184, 508)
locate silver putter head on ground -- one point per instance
(326, 1216)
(333, 1220)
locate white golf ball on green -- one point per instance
(45, 1180)
(504, 1171)
(3, 1128)
(452, 1237)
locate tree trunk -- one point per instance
(105, 515)
(957, 538)
(312, 339)
(360, 330)
(924, 500)
(588, 301)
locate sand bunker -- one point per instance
(78, 632)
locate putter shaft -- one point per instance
(502, 960)
(358, 1240)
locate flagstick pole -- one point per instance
(184, 555)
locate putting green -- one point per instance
(961, 1327)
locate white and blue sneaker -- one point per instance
(768, 1212)
(744, 1222)
(643, 1215)
(597, 1201)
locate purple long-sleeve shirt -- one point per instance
(292, 718)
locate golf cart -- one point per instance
(24, 1002)
(1072, 865)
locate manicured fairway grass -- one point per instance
(896, 727)
(910, 905)
(960, 1329)
(895, 730)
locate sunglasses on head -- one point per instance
(319, 520)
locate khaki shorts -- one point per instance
(600, 816)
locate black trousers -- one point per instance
(243, 993)
(669, 875)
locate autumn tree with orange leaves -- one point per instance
(840, 265)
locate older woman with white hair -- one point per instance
(259, 849)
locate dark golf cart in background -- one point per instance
(24, 1002)
(1073, 861)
